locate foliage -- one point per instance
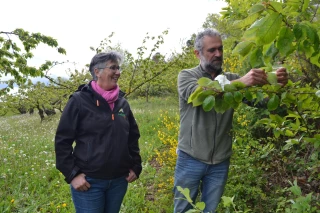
(14, 59)
(197, 207)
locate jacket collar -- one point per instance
(88, 88)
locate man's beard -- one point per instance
(210, 67)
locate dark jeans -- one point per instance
(191, 173)
(104, 196)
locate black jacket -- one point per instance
(106, 141)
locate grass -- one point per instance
(30, 182)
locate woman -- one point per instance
(106, 156)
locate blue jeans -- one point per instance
(192, 174)
(104, 196)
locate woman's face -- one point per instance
(108, 77)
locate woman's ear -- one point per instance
(97, 72)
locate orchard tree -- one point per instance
(278, 33)
(145, 73)
(15, 51)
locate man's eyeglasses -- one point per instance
(113, 68)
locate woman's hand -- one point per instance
(80, 183)
(132, 176)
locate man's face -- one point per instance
(211, 57)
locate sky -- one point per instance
(79, 25)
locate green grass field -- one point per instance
(30, 182)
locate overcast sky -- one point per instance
(77, 25)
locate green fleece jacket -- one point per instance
(206, 136)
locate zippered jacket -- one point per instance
(206, 136)
(106, 141)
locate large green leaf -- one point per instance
(202, 95)
(194, 94)
(269, 29)
(284, 43)
(204, 81)
(228, 97)
(305, 5)
(215, 85)
(297, 31)
(238, 96)
(208, 103)
(277, 6)
(272, 78)
(243, 48)
(250, 34)
(256, 58)
(229, 88)
(248, 95)
(238, 84)
(247, 21)
(256, 8)
(271, 52)
(220, 105)
(273, 103)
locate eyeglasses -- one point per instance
(113, 68)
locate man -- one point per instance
(205, 142)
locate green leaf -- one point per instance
(238, 96)
(248, 95)
(243, 48)
(247, 21)
(305, 5)
(277, 6)
(295, 189)
(208, 103)
(197, 102)
(272, 78)
(215, 85)
(203, 94)
(271, 53)
(220, 106)
(315, 59)
(203, 82)
(237, 84)
(256, 8)
(185, 192)
(318, 93)
(269, 29)
(229, 88)
(250, 34)
(297, 31)
(200, 205)
(228, 97)
(227, 201)
(284, 42)
(273, 103)
(194, 94)
(277, 119)
(256, 58)
(259, 96)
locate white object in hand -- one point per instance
(222, 79)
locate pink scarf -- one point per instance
(110, 96)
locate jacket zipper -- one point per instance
(214, 142)
(112, 115)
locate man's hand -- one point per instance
(132, 176)
(254, 77)
(79, 183)
(282, 76)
